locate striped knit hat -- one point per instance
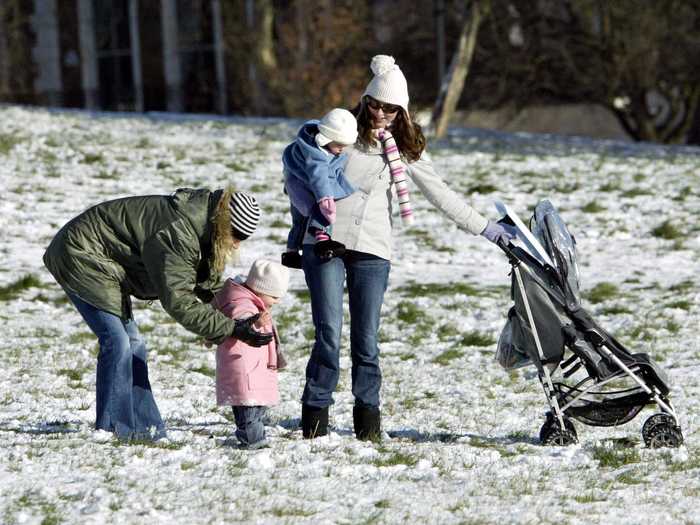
(245, 214)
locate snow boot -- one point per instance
(367, 422)
(314, 421)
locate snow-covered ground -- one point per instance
(462, 434)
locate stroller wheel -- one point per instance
(660, 431)
(552, 434)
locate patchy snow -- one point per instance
(462, 434)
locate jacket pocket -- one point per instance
(261, 377)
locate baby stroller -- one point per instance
(586, 374)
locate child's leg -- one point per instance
(250, 430)
(296, 233)
(319, 226)
(324, 247)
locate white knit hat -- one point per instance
(268, 277)
(338, 125)
(389, 84)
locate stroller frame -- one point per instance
(661, 429)
(545, 375)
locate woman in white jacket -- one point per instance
(390, 145)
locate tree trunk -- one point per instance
(453, 82)
(219, 49)
(171, 57)
(439, 10)
(261, 70)
(4, 58)
(48, 84)
(88, 54)
(135, 42)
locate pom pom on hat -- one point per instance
(389, 84)
(244, 214)
(382, 64)
(338, 125)
(268, 277)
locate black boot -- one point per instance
(291, 260)
(367, 421)
(314, 421)
(326, 250)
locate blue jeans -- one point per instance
(250, 429)
(367, 278)
(125, 403)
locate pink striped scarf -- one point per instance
(398, 174)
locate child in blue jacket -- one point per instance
(314, 180)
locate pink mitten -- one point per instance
(327, 206)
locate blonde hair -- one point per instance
(225, 247)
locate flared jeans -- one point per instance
(125, 403)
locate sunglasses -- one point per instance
(386, 108)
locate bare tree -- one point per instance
(638, 59)
(17, 70)
(453, 83)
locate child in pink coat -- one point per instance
(246, 376)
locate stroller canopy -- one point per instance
(551, 231)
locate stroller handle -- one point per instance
(505, 246)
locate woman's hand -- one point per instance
(496, 232)
(244, 331)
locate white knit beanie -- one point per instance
(268, 277)
(389, 84)
(338, 125)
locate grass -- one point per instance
(448, 355)
(682, 304)
(12, 290)
(396, 458)
(427, 239)
(615, 310)
(615, 456)
(238, 166)
(601, 292)
(482, 188)
(593, 207)
(683, 286)
(635, 192)
(7, 142)
(422, 289)
(70, 373)
(93, 158)
(667, 231)
(204, 370)
(287, 511)
(476, 338)
(409, 313)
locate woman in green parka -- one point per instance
(171, 248)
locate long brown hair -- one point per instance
(407, 132)
(224, 246)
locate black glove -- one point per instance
(245, 332)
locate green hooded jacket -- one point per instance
(149, 247)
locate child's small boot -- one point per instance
(314, 421)
(291, 259)
(367, 423)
